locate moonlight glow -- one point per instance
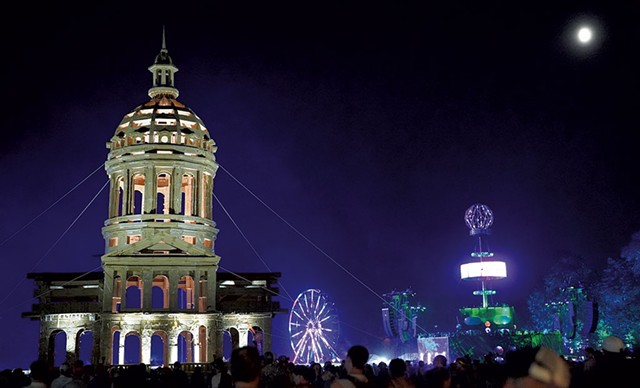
(585, 35)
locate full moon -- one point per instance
(584, 35)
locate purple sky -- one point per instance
(369, 130)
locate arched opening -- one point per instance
(115, 346)
(84, 344)
(230, 341)
(160, 292)
(57, 347)
(119, 201)
(188, 195)
(185, 347)
(133, 296)
(159, 348)
(202, 344)
(116, 299)
(163, 190)
(186, 293)
(138, 194)
(132, 348)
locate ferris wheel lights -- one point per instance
(313, 327)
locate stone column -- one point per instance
(127, 194)
(150, 183)
(107, 295)
(173, 348)
(196, 351)
(243, 337)
(176, 191)
(96, 354)
(214, 339)
(106, 342)
(145, 346)
(71, 344)
(43, 344)
(211, 288)
(267, 330)
(147, 284)
(123, 288)
(196, 289)
(121, 349)
(113, 196)
(174, 278)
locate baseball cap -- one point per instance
(612, 344)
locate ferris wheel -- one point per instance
(313, 328)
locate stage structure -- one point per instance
(400, 319)
(479, 219)
(487, 329)
(159, 297)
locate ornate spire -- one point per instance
(163, 72)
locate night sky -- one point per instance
(351, 140)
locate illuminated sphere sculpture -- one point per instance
(479, 219)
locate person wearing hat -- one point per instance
(613, 344)
(612, 368)
(64, 378)
(539, 366)
(67, 378)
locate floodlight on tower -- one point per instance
(479, 219)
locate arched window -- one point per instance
(84, 343)
(138, 194)
(160, 292)
(119, 200)
(134, 292)
(132, 348)
(58, 346)
(159, 348)
(188, 195)
(163, 197)
(202, 342)
(185, 347)
(115, 346)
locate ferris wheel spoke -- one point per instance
(304, 310)
(326, 318)
(298, 315)
(322, 308)
(300, 345)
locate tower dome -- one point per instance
(162, 120)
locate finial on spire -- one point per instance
(164, 41)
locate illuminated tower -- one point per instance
(160, 234)
(160, 296)
(479, 219)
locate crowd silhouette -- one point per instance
(612, 365)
